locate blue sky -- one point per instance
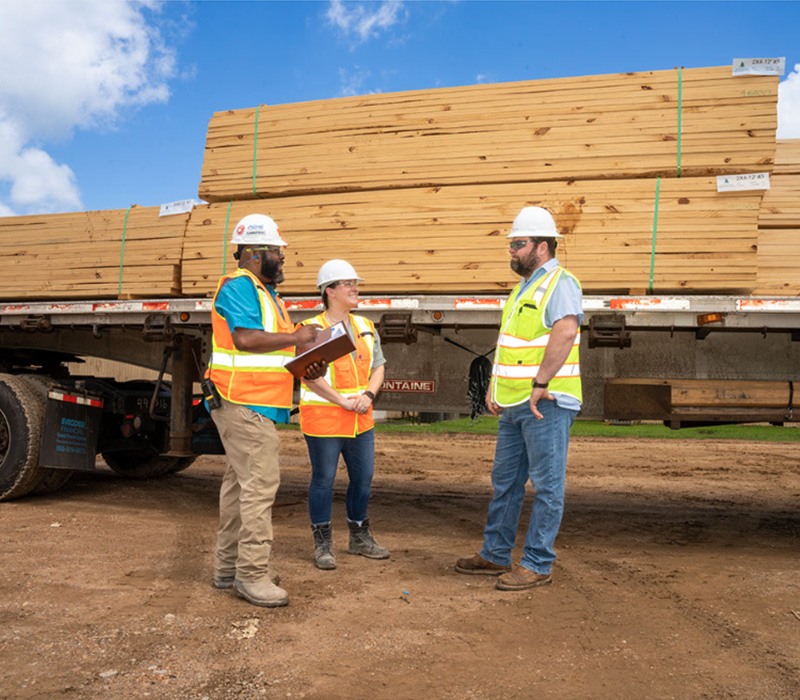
(107, 103)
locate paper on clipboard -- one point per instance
(331, 343)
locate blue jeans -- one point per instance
(533, 449)
(359, 456)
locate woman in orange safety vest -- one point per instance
(336, 419)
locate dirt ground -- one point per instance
(678, 577)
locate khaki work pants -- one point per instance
(251, 480)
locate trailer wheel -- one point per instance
(51, 479)
(182, 463)
(142, 464)
(20, 436)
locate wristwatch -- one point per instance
(370, 394)
(539, 385)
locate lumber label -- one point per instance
(737, 183)
(759, 66)
(183, 206)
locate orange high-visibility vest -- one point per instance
(252, 379)
(321, 418)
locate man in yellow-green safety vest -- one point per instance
(536, 385)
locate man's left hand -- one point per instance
(316, 370)
(537, 395)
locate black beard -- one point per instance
(521, 269)
(271, 270)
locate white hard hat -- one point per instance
(257, 229)
(534, 222)
(336, 271)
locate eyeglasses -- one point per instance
(519, 244)
(276, 249)
(346, 283)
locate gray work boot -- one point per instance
(263, 593)
(361, 541)
(224, 582)
(323, 546)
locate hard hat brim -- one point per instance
(236, 241)
(328, 283)
(520, 234)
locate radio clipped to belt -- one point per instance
(210, 392)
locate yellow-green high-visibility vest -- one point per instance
(522, 342)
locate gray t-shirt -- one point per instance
(377, 353)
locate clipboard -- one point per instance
(331, 344)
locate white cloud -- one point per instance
(364, 20)
(789, 105)
(69, 65)
(353, 82)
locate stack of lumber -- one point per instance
(419, 189)
(699, 400)
(452, 239)
(779, 224)
(409, 186)
(82, 255)
(692, 122)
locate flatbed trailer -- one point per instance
(148, 428)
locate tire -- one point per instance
(182, 463)
(142, 464)
(51, 479)
(21, 414)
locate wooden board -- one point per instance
(452, 239)
(614, 126)
(779, 225)
(81, 255)
(678, 401)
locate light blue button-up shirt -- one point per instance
(565, 300)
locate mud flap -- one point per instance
(70, 431)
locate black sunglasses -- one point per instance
(519, 244)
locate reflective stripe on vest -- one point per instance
(322, 418)
(522, 342)
(252, 379)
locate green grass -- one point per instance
(764, 433)
(487, 425)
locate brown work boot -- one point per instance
(521, 579)
(263, 593)
(477, 565)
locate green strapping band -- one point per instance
(122, 251)
(680, 110)
(255, 153)
(655, 229)
(225, 242)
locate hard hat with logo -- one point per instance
(534, 222)
(257, 229)
(336, 271)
